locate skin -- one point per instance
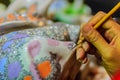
(104, 43)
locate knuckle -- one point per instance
(101, 13)
(93, 36)
(110, 55)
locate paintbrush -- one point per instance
(112, 11)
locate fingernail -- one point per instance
(85, 60)
(79, 53)
(86, 28)
(85, 46)
(80, 61)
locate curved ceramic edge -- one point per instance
(55, 31)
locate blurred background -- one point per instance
(68, 11)
(47, 12)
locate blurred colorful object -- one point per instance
(56, 5)
(68, 12)
(23, 15)
(24, 6)
(60, 10)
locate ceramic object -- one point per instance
(55, 31)
(22, 51)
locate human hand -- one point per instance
(105, 43)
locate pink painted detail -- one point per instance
(34, 48)
(34, 72)
(52, 42)
(66, 43)
(69, 45)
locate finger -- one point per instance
(96, 18)
(85, 60)
(112, 29)
(96, 39)
(115, 41)
(80, 54)
(92, 50)
(85, 46)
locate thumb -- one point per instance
(93, 36)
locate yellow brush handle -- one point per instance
(107, 15)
